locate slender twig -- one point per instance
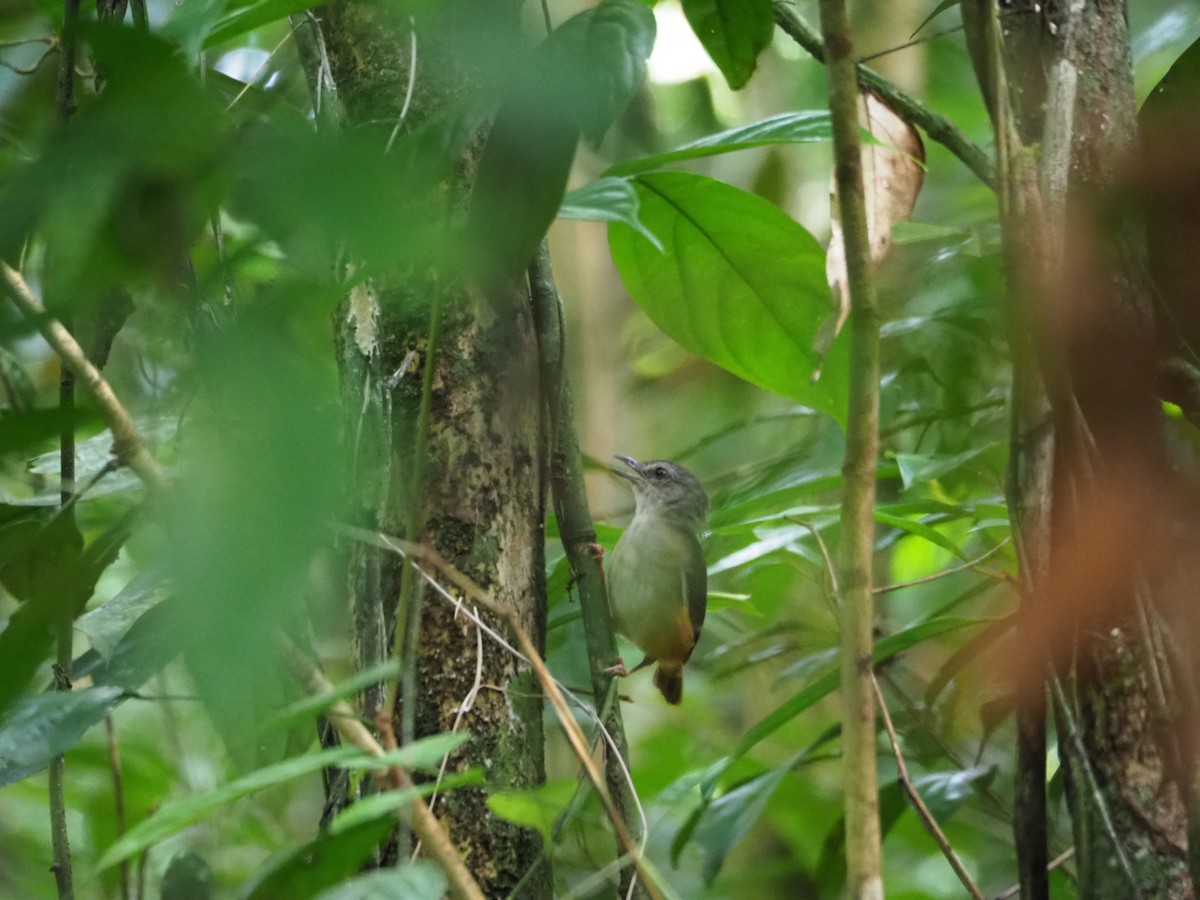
(912, 110)
(528, 653)
(864, 854)
(835, 592)
(423, 823)
(128, 443)
(953, 570)
(65, 625)
(114, 765)
(915, 42)
(574, 735)
(927, 819)
(263, 67)
(63, 876)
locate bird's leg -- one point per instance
(620, 671)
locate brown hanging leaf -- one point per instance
(893, 172)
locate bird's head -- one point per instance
(666, 489)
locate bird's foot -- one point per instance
(596, 550)
(618, 670)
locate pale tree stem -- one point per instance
(864, 855)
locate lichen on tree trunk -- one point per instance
(479, 493)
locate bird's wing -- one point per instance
(696, 585)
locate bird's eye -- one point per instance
(660, 472)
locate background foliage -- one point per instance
(205, 127)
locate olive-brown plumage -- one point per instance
(658, 581)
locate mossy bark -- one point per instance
(466, 475)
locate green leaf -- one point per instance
(920, 529)
(577, 82)
(945, 792)
(108, 623)
(40, 552)
(41, 727)
(309, 707)
(244, 19)
(147, 647)
(597, 60)
(920, 232)
(804, 127)
(730, 817)
(916, 468)
(188, 877)
(536, 808)
(937, 11)
(179, 814)
(298, 873)
(740, 284)
(733, 32)
(24, 644)
(191, 23)
(606, 200)
(20, 430)
(719, 600)
(413, 881)
(822, 686)
(388, 803)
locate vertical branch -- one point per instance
(1029, 482)
(578, 533)
(64, 107)
(863, 841)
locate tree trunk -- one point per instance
(440, 379)
(1112, 497)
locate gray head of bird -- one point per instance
(666, 489)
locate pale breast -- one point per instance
(648, 591)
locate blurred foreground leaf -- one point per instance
(179, 814)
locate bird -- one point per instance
(658, 581)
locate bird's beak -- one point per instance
(635, 475)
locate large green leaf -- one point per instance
(733, 32)
(804, 127)
(740, 284)
(39, 728)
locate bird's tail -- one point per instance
(668, 678)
